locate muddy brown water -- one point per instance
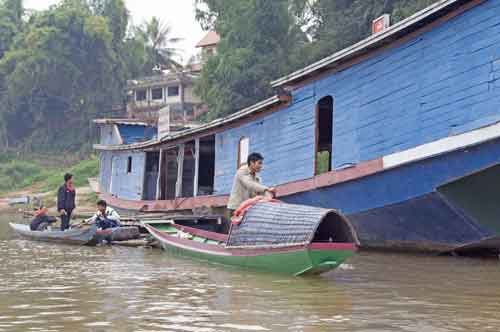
(50, 287)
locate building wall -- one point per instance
(189, 96)
(114, 178)
(441, 83)
(285, 138)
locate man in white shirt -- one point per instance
(105, 217)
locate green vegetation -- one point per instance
(81, 171)
(322, 162)
(277, 37)
(24, 174)
(62, 67)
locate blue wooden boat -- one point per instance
(78, 236)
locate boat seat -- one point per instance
(201, 233)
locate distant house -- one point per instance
(209, 44)
(174, 91)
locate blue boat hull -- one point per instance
(423, 205)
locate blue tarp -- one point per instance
(136, 133)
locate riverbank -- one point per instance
(85, 200)
(36, 179)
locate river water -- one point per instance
(49, 287)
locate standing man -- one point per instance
(66, 201)
(247, 184)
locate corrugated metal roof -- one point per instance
(375, 41)
(263, 105)
(112, 121)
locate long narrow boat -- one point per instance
(275, 237)
(79, 236)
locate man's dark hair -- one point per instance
(253, 157)
(102, 203)
(67, 176)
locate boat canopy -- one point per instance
(274, 224)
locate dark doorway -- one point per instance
(324, 135)
(172, 171)
(151, 175)
(188, 169)
(206, 172)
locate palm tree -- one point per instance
(158, 45)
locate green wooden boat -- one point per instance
(274, 237)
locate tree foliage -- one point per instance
(341, 23)
(56, 76)
(259, 41)
(262, 40)
(64, 66)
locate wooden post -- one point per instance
(196, 166)
(180, 169)
(158, 179)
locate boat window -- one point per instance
(129, 165)
(243, 149)
(324, 135)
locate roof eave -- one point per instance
(256, 108)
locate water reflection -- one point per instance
(46, 287)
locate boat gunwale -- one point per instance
(68, 237)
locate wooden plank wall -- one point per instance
(115, 179)
(443, 82)
(285, 138)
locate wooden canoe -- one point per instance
(78, 236)
(272, 237)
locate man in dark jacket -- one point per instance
(41, 220)
(66, 201)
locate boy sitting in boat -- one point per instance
(105, 217)
(41, 220)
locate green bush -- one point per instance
(18, 174)
(81, 172)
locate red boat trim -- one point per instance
(324, 180)
(201, 233)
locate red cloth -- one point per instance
(70, 186)
(246, 205)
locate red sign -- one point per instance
(381, 23)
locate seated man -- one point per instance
(41, 220)
(106, 217)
